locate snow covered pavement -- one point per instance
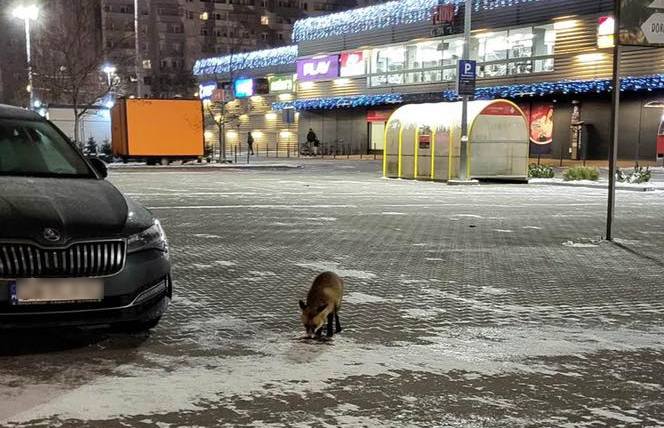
(492, 305)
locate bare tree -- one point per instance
(69, 57)
(220, 111)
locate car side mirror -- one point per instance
(99, 166)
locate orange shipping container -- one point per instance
(159, 128)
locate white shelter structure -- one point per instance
(422, 141)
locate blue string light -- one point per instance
(246, 61)
(384, 15)
(340, 102)
(565, 87)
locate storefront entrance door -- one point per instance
(377, 135)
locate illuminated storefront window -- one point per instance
(501, 53)
(516, 51)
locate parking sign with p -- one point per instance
(466, 77)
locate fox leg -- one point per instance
(330, 330)
(336, 319)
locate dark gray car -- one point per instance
(73, 250)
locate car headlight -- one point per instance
(151, 238)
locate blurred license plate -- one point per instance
(31, 291)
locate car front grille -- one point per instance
(82, 259)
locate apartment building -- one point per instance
(175, 33)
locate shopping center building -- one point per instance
(349, 71)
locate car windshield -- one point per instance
(35, 148)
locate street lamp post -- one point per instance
(28, 13)
(137, 45)
(110, 72)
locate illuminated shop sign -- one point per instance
(352, 64)
(282, 83)
(605, 29)
(206, 89)
(318, 68)
(243, 88)
(261, 86)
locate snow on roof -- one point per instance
(384, 15)
(246, 61)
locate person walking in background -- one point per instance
(250, 143)
(312, 140)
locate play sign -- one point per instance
(324, 67)
(642, 22)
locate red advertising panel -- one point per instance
(540, 120)
(443, 14)
(352, 64)
(541, 124)
(660, 140)
(424, 141)
(378, 115)
(501, 109)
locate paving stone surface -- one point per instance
(493, 305)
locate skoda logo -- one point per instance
(51, 234)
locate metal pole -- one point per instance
(637, 156)
(29, 59)
(463, 155)
(223, 141)
(222, 155)
(615, 116)
(137, 45)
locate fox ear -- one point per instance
(303, 305)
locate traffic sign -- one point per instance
(466, 77)
(641, 23)
(653, 28)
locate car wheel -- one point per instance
(136, 326)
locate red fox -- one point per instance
(323, 302)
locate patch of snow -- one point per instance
(531, 227)
(503, 230)
(262, 274)
(423, 314)
(357, 298)
(608, 414)
(217, 263)
(283, 367)
(492, 290)
(414, 281)
(628, 242)
(334, 267)
(206, 236)
(392, 213)
(573, 244)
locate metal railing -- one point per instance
(338, 149)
